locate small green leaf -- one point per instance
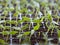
(11, 22)
(25, 19)
(49, 17)
(1, 26)
(26, 33)
(20, 21)
(36, 27)
(16, 14)
(58, 33)
(23, 10)
(5, 32)
(5, 12)
(13, 32)
(2, 42)
(43, 4)
(11, 9)
(36, 21)
(7, 27)
(41, 20)
(24, 27)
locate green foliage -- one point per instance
(36, 27)
(1, 26)
(43, 4)
(7, 27)
(38, 20)
(20, 21)
(11, 9)
(37, 0)
(8, 32)
(2, 42)
(58, 31)
(41, 19)
(24, 27)
(24, 10)
(25, 19)
(13, 32)
(59, 7)
(22, 3)
(6, 9)
(11, 22)
(5, 32)
(16, 14)
(26, 33)
(48, 18)
(5, 12)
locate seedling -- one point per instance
(25, 21)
